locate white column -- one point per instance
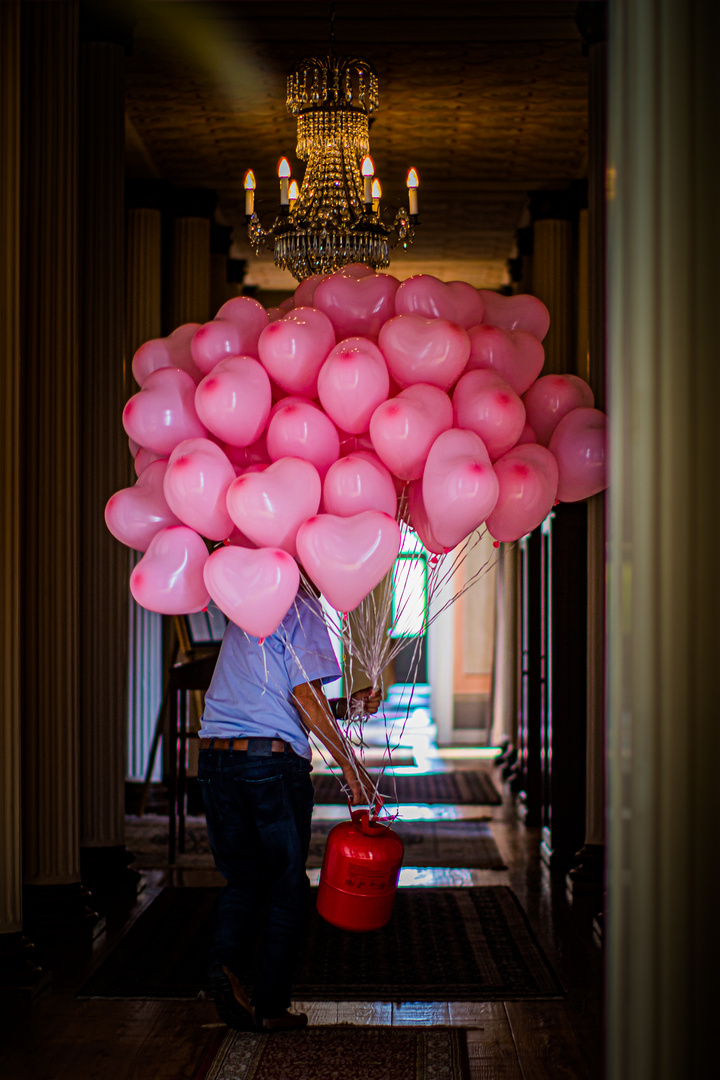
(441, 661)
(505, 668)
(664, 514)
(145, 662)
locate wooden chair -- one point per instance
(198, 640)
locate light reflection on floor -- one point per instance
(410, 812)
(433, 876)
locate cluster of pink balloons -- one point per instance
(304, 434)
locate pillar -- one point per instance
(552, 274)
(587, 876)
(142, 322)
(18, 968)
(664, 523)
(189, 284)
(505, 676)
(55, 901)
(220, 287)
(103, 457)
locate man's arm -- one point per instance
(314, 709)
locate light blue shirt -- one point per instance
(251, 690)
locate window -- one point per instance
(410, 589)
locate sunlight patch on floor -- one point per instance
(411, 812)
(413, 877)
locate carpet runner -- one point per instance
(442, 944)
(325, 1053)
(468, 844)
(461, 788)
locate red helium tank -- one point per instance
(359, 873)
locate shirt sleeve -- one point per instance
(309, 653)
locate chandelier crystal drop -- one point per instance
(335, 218)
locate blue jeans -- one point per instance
(259, 810)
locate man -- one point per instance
(254, 772)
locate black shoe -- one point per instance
(287, 1021)
(231, 1002)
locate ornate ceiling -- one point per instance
(486, 100)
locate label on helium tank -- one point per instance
(358, 876)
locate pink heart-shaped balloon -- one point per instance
(352, 382)
(291, 399)
(196, 481)
(527, 436)
(357, 307)
(418, 518)
(551, 398)
(516, 355)
(459, 486)
(269, 507)
(171, 351)
(528, 480)
(234, 331)
(305, 292)
(578, 444)
(233, 401)
(239, 539)
(242, 457)
(301, 430)
(484, 403)
(136, 514)
(294, 348)
(403, 429)
(420, 350)
(145, 457)
(356, 270)
(521, 312)
(255, 589)
(348, 557)
(426, 295)
(163, 413)
(359, 482)
(169, 577)
(350, 444)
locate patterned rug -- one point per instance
(326, 1053)
(442, 944)
(467, 844)
(460, 788)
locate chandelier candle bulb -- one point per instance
(293, 192)
(284, 174)
(376, 195)
(249, 193)
(412, 186)
(367, 169)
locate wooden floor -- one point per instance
(57, 1037)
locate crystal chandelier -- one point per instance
(335, 217)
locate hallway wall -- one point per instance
(664, 511)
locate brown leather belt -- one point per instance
(244, 746)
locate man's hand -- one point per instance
(366, 701)
(314, 712)
(361, 784)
